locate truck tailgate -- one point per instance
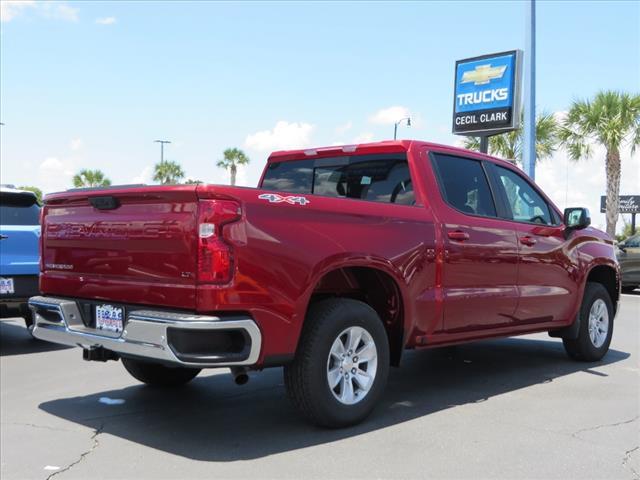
(135, 245)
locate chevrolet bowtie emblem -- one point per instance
(483, 74)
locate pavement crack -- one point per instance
(605, 425)
(35, 425)
(625, 462)
(83, 455)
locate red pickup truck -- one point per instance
(340, 260)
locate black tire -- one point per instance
(157, 374)
(306, 377)
(583, 348)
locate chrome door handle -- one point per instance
(458, 235)
(529, 241)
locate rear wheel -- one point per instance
(157, 374)
(341, 365)
(596, 325)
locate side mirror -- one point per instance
(577, 218)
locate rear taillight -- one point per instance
(215, 256)
(41, 240)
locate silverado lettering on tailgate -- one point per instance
(114, 230)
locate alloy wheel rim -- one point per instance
(352, 365)
(598, 323)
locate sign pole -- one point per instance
(484, 144)
(529, 150)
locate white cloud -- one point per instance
(283, 136)
(145, 176)
(106, 20)
(388, 116)
(342, 129)
(365, 137)
(75, 144)
(51, 163)
(54, 174)
(61, 11)
(10, 9)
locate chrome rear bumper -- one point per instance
(146, 333)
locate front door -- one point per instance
(481, 254)
(546, 275)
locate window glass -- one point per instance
(525, 203)
(377, 178)
(293, 177)
(18, 215)
(633, 242)
(464, 185)
(19, 209)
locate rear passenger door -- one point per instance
(481, 253)
(546, 285)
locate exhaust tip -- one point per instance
(240, 376)
(241, 379)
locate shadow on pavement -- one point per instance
(211, 419)
(16, 340)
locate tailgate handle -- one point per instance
(104, 203)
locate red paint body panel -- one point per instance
(452, 290)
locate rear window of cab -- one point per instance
(381, 178)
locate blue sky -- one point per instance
(92, 84)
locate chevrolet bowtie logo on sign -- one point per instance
(483, 74)
(487, 94)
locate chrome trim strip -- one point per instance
(144, 335)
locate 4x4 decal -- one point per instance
(275, 198)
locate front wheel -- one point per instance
(341, 365)
(157, 374)
(596, 325)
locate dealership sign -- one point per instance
(628, 204)
(486, 96)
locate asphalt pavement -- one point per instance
(511, 408)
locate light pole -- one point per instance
(161, 142)
(395, 125)
(529, 150)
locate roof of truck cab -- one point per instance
(386, 146)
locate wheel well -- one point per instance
(373, 287)
(606, 276)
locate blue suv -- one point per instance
(19, 255)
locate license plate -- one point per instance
(6, 286)
(109, 318)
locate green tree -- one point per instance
(90, 178)
(610, 119)
(168, 172)
(509, 145)
(190, 181)
(232, 157)
(35, 190)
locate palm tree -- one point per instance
(232, 158)
(168, 172)
(509, 145)
(611, 119)
(90, 178)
